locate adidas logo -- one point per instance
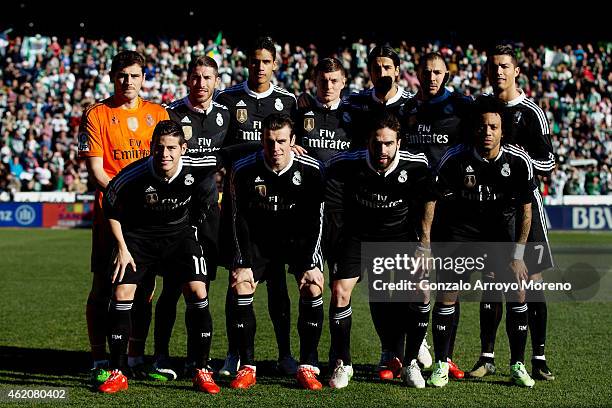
(309, 113)
(469, 169)
(259, 180)
(241, 103)
(150, 189)
(185, 120)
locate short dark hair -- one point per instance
(431, 56)
(327, 65)
(503, 49)
(385, 120)
(126, 59)
(263, 43)
(168, 128)
(203, 61)
(277, 121)
(489, 104)
(385, 51)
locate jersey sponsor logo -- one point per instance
(403, 176)
(241, 115)
(185, 119)
(297, 178)
(189, 179)
(219, 119)
(132, 123)
(149, 119)
(505, 171)
(309, 124)
(278, 105)
(188, 131)
(83, 142)
(261, 189)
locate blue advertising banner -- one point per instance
(20, 214)
(579, 217)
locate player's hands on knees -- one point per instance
(122, 260)
(313, 276)
(299, 150)
(519, 269)
(243, 275)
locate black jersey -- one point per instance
(323, 132)
(479, 198)
(372, 205)
(528, 127)
(205, 131)
(363, 106)
(273, 208)
(148, 205)
(248, 109)
(432, 126)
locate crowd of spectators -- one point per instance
(45, 84)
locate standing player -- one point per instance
(486, 192)
(385, 96)
(529, 129)
(321, 125)
(277, 203)
(148, 205)
(434, 121)
(204, 124)
(370, 196)
(249, 103)
(113, 134)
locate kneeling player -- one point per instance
(277, 211)
(147, 205)
(485, 192)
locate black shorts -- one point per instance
(177, 257)
(538, 256)
(206, 217)
(270, 258)
(456, 261)
(351, 262)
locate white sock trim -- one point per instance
(489, 355)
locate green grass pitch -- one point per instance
(45, 279)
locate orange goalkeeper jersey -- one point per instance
(120, 136)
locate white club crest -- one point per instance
(219, 119)
(297, 178)
(278, 104)
(403, 176)
(189, 179)
(505, 171)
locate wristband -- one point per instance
(519, 252)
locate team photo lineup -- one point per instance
(247, 214)
(258, 181)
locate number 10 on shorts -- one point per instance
(200, 265)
